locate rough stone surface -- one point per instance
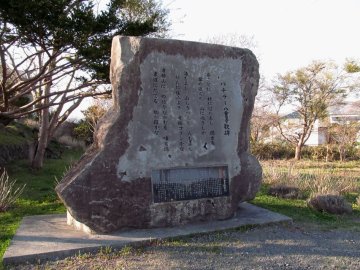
(177, 104)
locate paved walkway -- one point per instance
(48, 237)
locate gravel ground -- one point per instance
(292, 246)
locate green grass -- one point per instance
(15, 134)
(39, 196)
(300, 212)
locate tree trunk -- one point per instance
(342, 153)
(43, 136)
(298, 151)
(327, 153)
(38, 161)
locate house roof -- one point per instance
(293, 115)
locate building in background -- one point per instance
(344, 113)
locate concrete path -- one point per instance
(48, 237)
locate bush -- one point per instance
(286, 192)
(83, 131)
(265, 151)
(54, 150)
(332, 204)
(317, 152)
(358, 201)
(8, 193)
(352, 153)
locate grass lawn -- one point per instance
(328, 176)
(301, 213)
(38, 198)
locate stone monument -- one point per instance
(174, 148)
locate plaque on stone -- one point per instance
(180, 184)
(174, 148)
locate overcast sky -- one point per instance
(289, 33)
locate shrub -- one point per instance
(286, 192)
(8, 193)
(352, 153)
(317, 152)
(267, 151)
(54, 150)
(333, 204)
(358, 200)
(83, 131)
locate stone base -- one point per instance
(77, 225)
(177, 213)
(189, 211)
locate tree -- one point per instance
(352, 66)
(86, 127)
(345, 135)
(261, 121)
(311, 90)
(233, 39)
(57, 52)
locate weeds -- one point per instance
(105, 251)
(314, 181)
(330, 182)
(8, 192)
(66, 170)
(286, 192)
(127, 250)
(332, 204)
(274, 176)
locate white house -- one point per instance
(343, 113)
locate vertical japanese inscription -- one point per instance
(201, 99)
(187, 111)
(226, 109)
(187, 114)
(164, 110)
(155, 95)
(180, 123)
(210, 109)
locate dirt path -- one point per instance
(271, 247)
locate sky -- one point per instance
(289, 33)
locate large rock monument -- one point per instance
(174, 148)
